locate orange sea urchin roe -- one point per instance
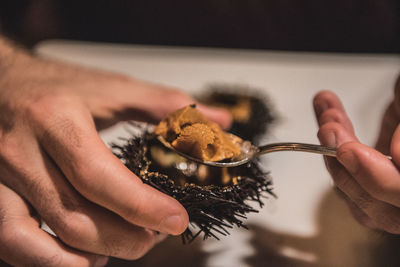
(190, 132)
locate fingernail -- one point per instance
(349, 160)
(172, 224)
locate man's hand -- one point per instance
(369, 180)
(54, 166)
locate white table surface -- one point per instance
(308, 225)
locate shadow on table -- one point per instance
(170, 253)
(340, 241)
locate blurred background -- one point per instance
(312, 25)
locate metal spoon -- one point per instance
(249, 151)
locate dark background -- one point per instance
(308, 25)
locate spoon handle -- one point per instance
(324, 150)
(318, 149)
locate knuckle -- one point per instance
(328, 128)
(46, 109)
(44, 103)
(75, 229)
(331, 126)
(332, 115)
(84, 174)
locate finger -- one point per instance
(383, 215)
(388, 126)
(361, 217)
(25, 244)
(328, 108)
(152, 103)
(325, 100)
(77, 222)
(335, 127)
(357, 213)
(218, 115)
(338, 134)
(172, 100)
(372, 170)
(72, 141)
(333, 134)
(390, 120)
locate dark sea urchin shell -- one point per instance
(212, 208)
(261, 115)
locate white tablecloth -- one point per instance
(308, 225)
